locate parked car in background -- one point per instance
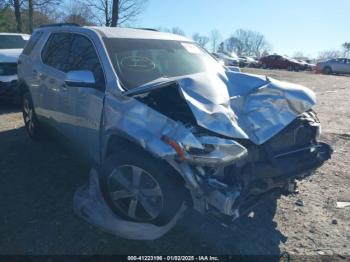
(334, 66)
(227, 59)
(281, 62)
(166, 123)
(11, 46)
(307, 65)
(250, 61)
(222, 62)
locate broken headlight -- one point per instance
(215, 151)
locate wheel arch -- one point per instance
(23, 87)
(116, 142)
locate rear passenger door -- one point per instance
(87, 102)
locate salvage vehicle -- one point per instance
(281, 62)
(11, 46)
(334, 66)
(164, 123)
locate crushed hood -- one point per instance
(9, 55)
(241, 105)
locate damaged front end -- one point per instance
(231, 137)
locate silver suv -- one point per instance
(165, 123)
(334, 66)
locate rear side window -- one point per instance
(32, 43)
(57, 51)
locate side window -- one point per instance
(57, 51)
(32, 42)
(83, 56)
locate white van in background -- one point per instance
(11, 46)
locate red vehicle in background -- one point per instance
(281, 62)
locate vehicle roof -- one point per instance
(118, 32)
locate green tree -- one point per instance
(7, 20)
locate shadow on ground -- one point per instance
(37, 184)
(7, 108)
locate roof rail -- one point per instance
(59, 24)
(149, 29)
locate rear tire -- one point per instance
(31, 122)
(327, 70)
(140, 188)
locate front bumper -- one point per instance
(267, 178)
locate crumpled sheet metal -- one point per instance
(264, 111)
(244, 106)
(141, 123)
(232, 104)
(89, 204)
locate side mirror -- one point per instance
(80, 78)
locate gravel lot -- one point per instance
(38, 181)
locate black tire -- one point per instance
(31, 122)
(290, 68)
(264, 66)
(327, 70)
(171, 187)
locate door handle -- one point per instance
(64, 88)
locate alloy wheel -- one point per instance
(135, 192)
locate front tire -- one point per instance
(140, 188)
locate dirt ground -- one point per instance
(38, 181)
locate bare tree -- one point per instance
(248, 43)
(329, 54)
(30, 15)
(346, 47)
(78, 13)
(178, 31)
(17, 7)
(215, 39)
(174, 30)
(200, 39)
(39, 6)
(117, 12)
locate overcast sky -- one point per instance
(290, 26)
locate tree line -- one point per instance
(25, 15)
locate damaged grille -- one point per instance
(300, 133)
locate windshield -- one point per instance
(140, 61)
(12, 41)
